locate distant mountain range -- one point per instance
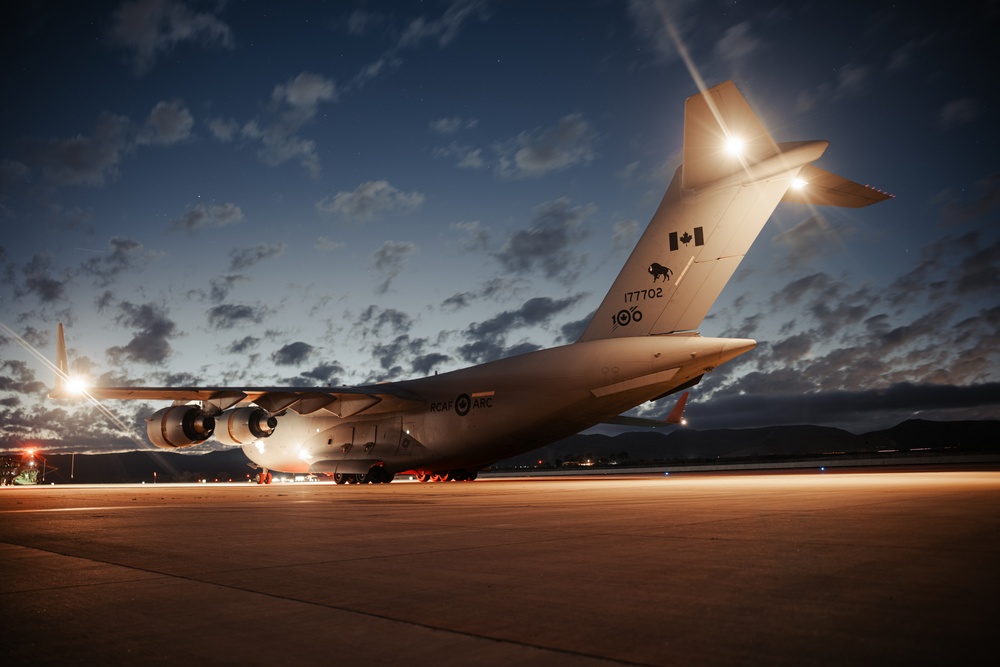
(680, 446)
(684, 445)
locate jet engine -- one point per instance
(179, 426)
(243, 425)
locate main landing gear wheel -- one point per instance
(340, 478)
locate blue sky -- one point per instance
(237, 193)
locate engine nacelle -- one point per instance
(244, 425)
(179, 426)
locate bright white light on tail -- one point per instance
(799, 183)
(734, 145)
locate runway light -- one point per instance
(734, 145)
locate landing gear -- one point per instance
(264, 476)
(377, 475)
(458, 475)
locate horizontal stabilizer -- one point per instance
(816, 186)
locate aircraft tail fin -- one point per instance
(62, 361)
(717, 123)
(732, 178)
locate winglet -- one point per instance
(676, 415)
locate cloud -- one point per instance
(850, 80)
(228, 316)
(37, 278)
(328, 373)
(472, 236)
(223, 129)
(292, 354)
(424, 364)
(304, 93)
(123, 255)
(151, 344)
(737, 44)
(82, 160)
(221, 286)
(391, 356)
(810, 238)
(533, 154)
(533, 312)
(168, 123)
(151, 28)
(215, 215)
(624, 234)
(442, 30)
(970, 203)
(371, 200)
(17, 377)
(488, 338)
(240, 260)
(465, 157)
(547, 244)
(390, 260)
(382, 322)
(960, 112)
(452, 125)
(243, 345)
(359, 22)
(294, 104)
(571, 331)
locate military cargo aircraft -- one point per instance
(641, 344)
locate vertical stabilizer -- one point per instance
(62, 360)
(733, 177)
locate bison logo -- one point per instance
(657, 270)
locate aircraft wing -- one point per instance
(340, 401)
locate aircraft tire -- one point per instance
(340, 478)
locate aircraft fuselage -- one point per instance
(475, 416)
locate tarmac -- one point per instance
(804, 568)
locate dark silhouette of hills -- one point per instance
(724, 446)
(763, 444)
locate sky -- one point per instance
(339, 193)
